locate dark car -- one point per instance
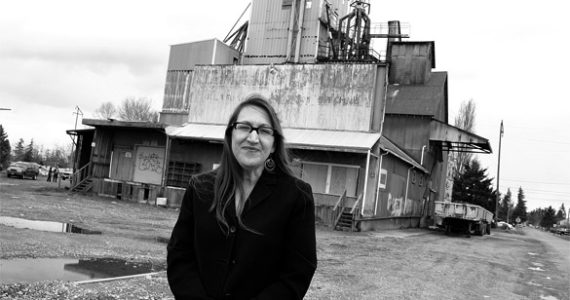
(22, 169)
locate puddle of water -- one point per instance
(532, 254)
(542, 297)
(69, 269)
(45, 225)
(537, 264)
(536, 269)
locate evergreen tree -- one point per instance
(29, 152)
(561, 215)
(535, 216)
(473, 186)
(5, 149)
(505, 205)
(549, 218)
(520, 209)
(19, 150)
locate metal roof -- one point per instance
(124, 124)
(314, 139)
(455, 139)
(389, 146)
(421, 99)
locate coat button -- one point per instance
(232, 229)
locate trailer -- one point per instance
(466, 217)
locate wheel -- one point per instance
(35, 177)
(489, 229)
(482, 229)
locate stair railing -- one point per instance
(356, 204)
(353, 210)
(339, 208)
(80, 175)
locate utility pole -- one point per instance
(77, 112)
(501, 131)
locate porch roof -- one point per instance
(455, 139)
(312, 139)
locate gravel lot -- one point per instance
(395, 264)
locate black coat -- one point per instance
(206, 263)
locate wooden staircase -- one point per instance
(346, 216)
(83, 187)
(81, 182)
(345, 221)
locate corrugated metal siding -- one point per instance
(177, 91)
(186, 56)
(329, 96)
(268, 31)
(411, 62)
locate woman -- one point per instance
(247, 229)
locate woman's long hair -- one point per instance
(229, 177)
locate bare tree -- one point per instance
(140, 109)
(106, 111)
(466, 121)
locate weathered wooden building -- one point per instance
(370, 136)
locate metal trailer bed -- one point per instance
(457, 216)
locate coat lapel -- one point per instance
(262, 190)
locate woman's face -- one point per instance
(251, 147)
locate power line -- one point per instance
(530, 181)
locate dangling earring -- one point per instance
(269, 164)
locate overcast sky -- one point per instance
(510, 57)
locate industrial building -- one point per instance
(367, 129)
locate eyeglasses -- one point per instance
(245, 129)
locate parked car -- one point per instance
(65, 173)
(22, 169)
(505, 225)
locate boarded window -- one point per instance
(316, 176)
(331, 179)
(343, 178)
(287, 3)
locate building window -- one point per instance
(179, 173)
(331, 179)
(383, 179)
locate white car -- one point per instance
(65, 173)
(505, 225)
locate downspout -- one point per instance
(378, 185)
(365, 182)
(422, 159)
(290, 33)
(299, 30)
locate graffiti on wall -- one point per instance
(149, 162)
(149, 165)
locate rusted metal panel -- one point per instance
(411, 62)
(176, 91)
(326, 96)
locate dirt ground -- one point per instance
(394, 264)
